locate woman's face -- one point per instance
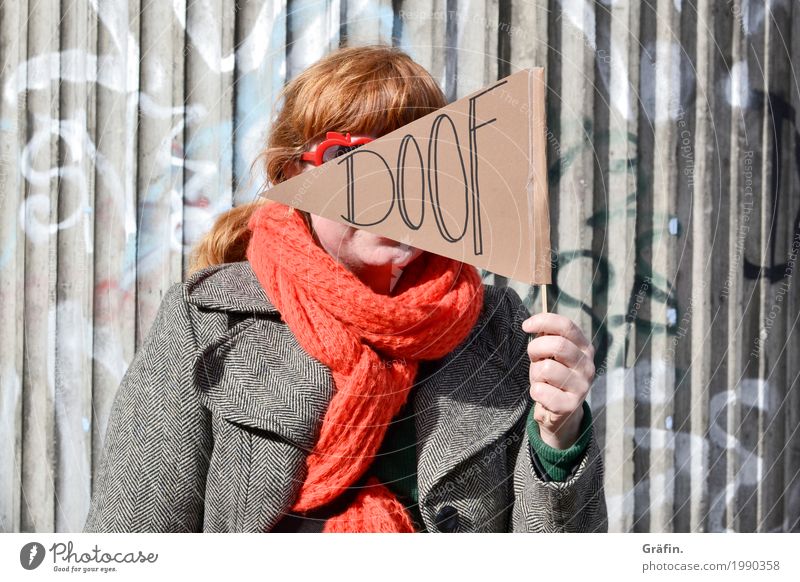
(378, 261)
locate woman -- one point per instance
(309, 376)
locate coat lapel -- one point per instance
(466, 402)
(269, 395)
(255, 373)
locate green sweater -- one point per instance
(395, 464)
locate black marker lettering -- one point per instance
(433, 183)
(401, 183)
(351, 198)
(477, 234)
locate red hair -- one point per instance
(369, 89)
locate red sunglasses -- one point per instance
(334, 145)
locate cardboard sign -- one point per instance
(468, 181)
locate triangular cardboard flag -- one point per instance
(468, 181)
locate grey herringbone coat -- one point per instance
(212, 422)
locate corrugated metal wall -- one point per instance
(126, 126)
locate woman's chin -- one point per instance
(394, 256)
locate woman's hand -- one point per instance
(561, 372)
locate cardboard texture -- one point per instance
(468, 181)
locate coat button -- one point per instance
(447, 519)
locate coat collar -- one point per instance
(229, 287)
(254, 373)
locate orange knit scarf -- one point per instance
(370, 342)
